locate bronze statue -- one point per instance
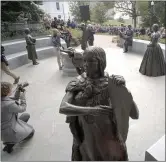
(153, 63)
(91, 33)
(77, 59)
(32, 55)
(93, 103)
(84, 37)
(128, 37)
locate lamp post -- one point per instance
(152, 13)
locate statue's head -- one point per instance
(27, 31)
(95, 62)
(155, 27)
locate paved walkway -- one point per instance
(53, 140)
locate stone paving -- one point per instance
(52, 140)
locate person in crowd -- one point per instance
(54, 23)
(47, 23)
(68, 23)
(14, 128)
(58, 22)
(142, 31)
(30, 41)
(5, 66)
(73, 25)
(56, 40)
(62, 23)
(163, 34)
(153, 63)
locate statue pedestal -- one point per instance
(157, 151)
(68, 68)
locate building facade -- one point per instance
(57, 9)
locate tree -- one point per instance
(101, 11)
(128, 8)
(11, 9)
(97, 10)
(75, 10)
(152, 14)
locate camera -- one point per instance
(22, 86)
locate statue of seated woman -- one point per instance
(98, 108)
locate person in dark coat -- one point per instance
(91, 115)
(5, 66)
(142, 31)
(32, 55)
(68, 23)
(14, 128)
(153, 63)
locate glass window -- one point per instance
(57, 6)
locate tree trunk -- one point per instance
(135, 21)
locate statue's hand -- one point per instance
(102, 110)
(88, 90)
(118, 79)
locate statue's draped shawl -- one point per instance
(100, 137)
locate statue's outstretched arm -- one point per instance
(72, 110)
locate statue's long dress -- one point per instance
(99, 136)
(153, 63)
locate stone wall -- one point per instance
(9, 27)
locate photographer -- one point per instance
(14, 129)
(5, 66)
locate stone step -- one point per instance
(20, 45)
(21, 58)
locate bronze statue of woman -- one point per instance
(153, 63)
(89, 105)
(31, 49)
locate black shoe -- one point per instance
(8, 149)
(36, 63)
(16, 80)
(125, 51)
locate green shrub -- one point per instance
(76, 33)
